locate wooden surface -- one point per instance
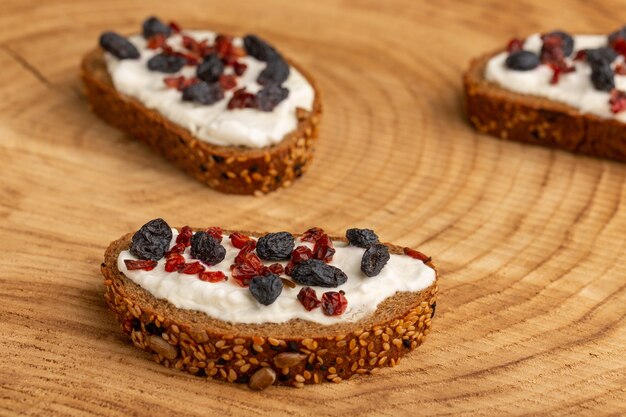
(530, 242)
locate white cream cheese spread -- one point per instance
(228, 301)
(573, 88)
(214, 123)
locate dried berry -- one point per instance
(174, 262)
(567, 41)
(417, 255)
(599, 55)
(312, 234)
(276, 268)
(515, 44)
(316, 273)
(228, 81)
(166, 63)
(266, 289)
(602, 76)
(239, 68)
(275, 246)
(276, 71)
(242, 99)
(212, 276)
(258, 48)
(552, 51)
(210, 69)
(156, 42)
(617, 101)
(522, 61)
(308, 298)
(118, 46)
(247, 265)
(203, 93)
(299, 254)
(362, 238)
(184, 236)
(239, 239)
(177, 249)
(618, 34)
(146, 265)
(207, 249)
(334, 303)
(175, 27)
(152, 240)
(270, 96)
(179, 82)
(323, 249)
(153, 26)
(216, 232)
(374, 259)
(192, 268)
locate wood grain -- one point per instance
(530, 241)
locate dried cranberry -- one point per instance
(620, 69)
(207, 248)
(168, 64)
(247, 266)
(239, 68)
(276, 268)
(178, 248)
(361, 237)
(334, 303)
(522, 61)
(212, 276)
(228, 81)
(203, 93)
(175, 27)
(275, 246)
(184, 236)
(552, 50)
(617, 101)
(223, 44)
(210, 69)
(417, 255)
(567, 42)
(276, 72)
(242, 99)
(156, 41)
(248, 247)
(152, 240)
(620, 33)
(299, 254)
(316, 273)
(312, 234)
(323, 249)
(146, 265)
(266, 289)
(174, 262)
(153, 26)
(216, 232)
(180, 82)
(619, 46)
(557, 71)
(258, 48)
(118, 46)
(270, 96)
(581, 55)
(374, 259)
(515, 44)
(192, 268)
(308, 298)
(238, 240)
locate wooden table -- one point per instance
(530, 241)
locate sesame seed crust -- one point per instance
(182, 340)
(229, 169)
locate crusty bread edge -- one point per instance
(228, 169)
(531, 119)
(193, 342)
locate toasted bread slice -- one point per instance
(537, 120)
(294, 353)
(230, 169)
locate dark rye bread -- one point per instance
(230, 169)
(531, 119)
(194, 342)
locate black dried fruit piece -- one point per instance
(153, 26)
(316, 273)
(275, 246)
(602, 76)
(276, 71)
(362, 238)
(522, 61)
(203, 93)
(568, 41)
(374, 259)
(270, 96)
(152, 240)
(118, 46)
(207, 249)
(210, 69)
(266, 289)
(258, 48)
(166, 63)
(620, 33)
(599, 55)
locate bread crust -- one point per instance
(531, 119)
(229, 169)
(196, 343)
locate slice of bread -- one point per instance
(532, 119)
(295, 353)
(230, 169)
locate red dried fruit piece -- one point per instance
(216, 232)
(247, 265)
(515, 44)
(308, 298)
(212, 276)
(173, 82)
(323, 249)
(223, 45)
(174, 262)
(417, 255)
(552, 50)
(184, 236)
(238, 240)
(192, 58)
(557, 71)
(276, 268)
(146, 265)
(228, 82)
(617, 101)
(156, 41)
(619, 45)
(239, 68)
(175, 27)
(242, 99)
(176, 249)
(334, 303)
(312, 234)
(581, 55)
(299, 254)
(620, 69)
(192, 268)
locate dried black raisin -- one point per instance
(258, 48)
(210, 69)
(362, 238)
(153, 26)
(152, 240)
(314, 272)
(275, 246)
(568, 41)
(203, 93)
(266, 289)
(374, 259)
(118, 46)
(522, 61)
(602, 76)
(166, 63)
(276, 71)
(206, 248)
(270, 96)
(598, 55)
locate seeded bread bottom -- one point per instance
(532, 119)
(229, 169)
(201, 345)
